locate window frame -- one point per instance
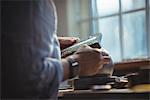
(95, 17)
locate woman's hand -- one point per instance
(90, 60)
(67, 41)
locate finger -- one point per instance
(105, 59)
(77, 40)
(84, 49)
(68, 40)
(101, 51)
(74, 39)
(100, 66)
(97, 50)
(104, 52)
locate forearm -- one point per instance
(66, 71)
(66, 66)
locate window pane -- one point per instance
(106, 7)
(134, 27)
(132, 4)
(95, 26)
(109, 27)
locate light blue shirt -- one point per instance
(32, 61)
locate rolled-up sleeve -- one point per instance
(45, 49)
(55, 69)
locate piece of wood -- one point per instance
(132, 64)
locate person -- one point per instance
(32, 67)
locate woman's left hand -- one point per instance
(67, 41)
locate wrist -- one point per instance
(66, 71)
(73, 66)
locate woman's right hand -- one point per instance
(90, 60)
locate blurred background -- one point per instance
(125, 24)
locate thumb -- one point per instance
(83, 48)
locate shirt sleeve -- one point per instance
(46, 45)
(50, 77)
(45, 77)
(31, 58)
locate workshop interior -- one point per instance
(122, 28)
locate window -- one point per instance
(123, 23)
